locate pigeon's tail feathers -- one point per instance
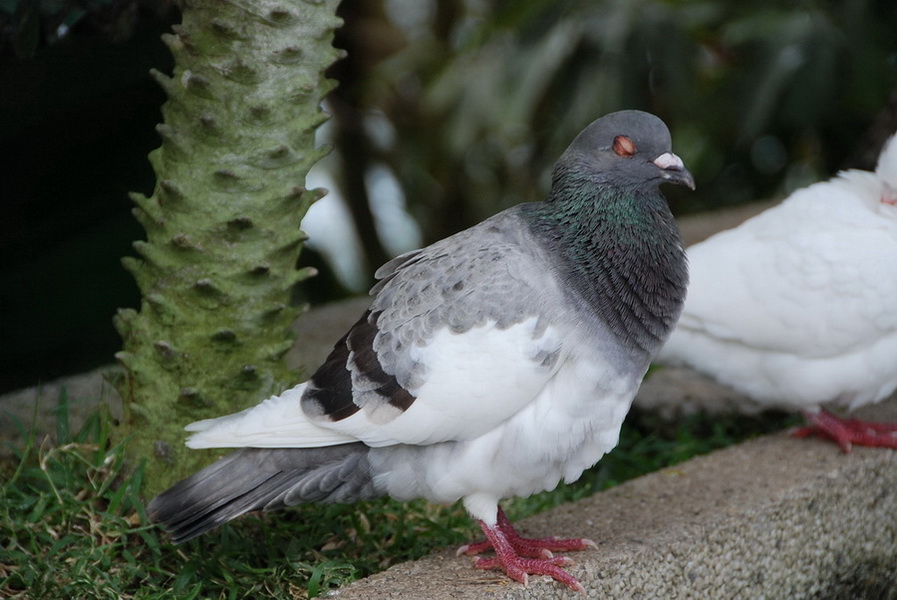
(262, 479)
(278, 422)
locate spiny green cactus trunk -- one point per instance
(222, 225)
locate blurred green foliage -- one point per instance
(761, 96)
(480, 96)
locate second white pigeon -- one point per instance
(795, 307)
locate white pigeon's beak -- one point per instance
(673, 170)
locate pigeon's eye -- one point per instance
(624, 147)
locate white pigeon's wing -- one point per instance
(811, 276)
(458, 339)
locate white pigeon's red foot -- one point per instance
(518, 556)
(846, 432)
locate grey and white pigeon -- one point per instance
(493, 363)
(794, 308)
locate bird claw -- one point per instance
(528, 547)
(517, 556)
(524, 546)
(847, 432)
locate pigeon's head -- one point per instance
(629, 148)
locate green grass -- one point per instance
(73, 523)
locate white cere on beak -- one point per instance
(668, 160)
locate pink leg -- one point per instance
(846, 432)
(518, 556)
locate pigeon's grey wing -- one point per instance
(459, 337)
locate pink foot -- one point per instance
(846, 432)
(518, 556)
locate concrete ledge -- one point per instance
(776, 517)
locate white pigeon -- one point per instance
(493, 363)
(795, 307)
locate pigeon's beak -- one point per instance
(673, 170)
